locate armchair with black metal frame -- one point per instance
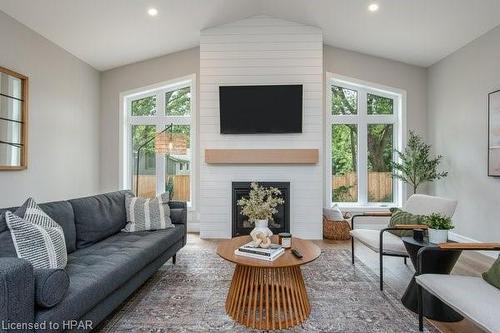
(484, 316)
(388, 244)
(380, 249)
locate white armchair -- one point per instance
(472, 297)
(388, 244)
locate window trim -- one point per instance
(126, 120)
(400, 138)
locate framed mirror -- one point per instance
(13, 120)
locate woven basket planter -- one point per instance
(336, 230)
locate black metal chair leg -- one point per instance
(420, 300)
(404, 258)
(352, 249)
(381, 271)
(174, 259)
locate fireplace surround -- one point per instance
(281, 220)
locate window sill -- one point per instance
(357, 208)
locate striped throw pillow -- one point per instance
(37, 238)
(148, 214)
(401, 217)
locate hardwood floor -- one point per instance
(396, 273)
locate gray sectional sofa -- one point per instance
(104, 266)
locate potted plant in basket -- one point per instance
(259, 207)
(438, 227)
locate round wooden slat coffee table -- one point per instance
(268, 295)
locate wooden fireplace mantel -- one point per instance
(261, 156)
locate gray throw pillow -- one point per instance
(148, 214)
(37, 238)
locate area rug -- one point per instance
(189, 297)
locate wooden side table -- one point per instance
(268, 295)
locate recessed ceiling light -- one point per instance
(152, 11)
(373, 7)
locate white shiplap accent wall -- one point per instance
(254, 51)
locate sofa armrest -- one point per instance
(17, 291)
(177, 204)
(178, 212)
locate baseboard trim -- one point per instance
(463, 239)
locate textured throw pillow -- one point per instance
(401, 217)
(334, 213)
(51, 286)
(37, 238)
(492, 276)
(148, 214)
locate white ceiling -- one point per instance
(111, 33)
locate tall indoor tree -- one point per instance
(416, 165)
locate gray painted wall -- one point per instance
(387, 72)
(458, 87)
(129, 77)
(63, 133)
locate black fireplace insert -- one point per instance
(281, 220)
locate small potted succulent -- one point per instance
(438, 227)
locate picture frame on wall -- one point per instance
(494, 134)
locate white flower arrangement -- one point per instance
(261, 203)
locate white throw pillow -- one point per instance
(148, 214)
(334, 213)
(37, 238)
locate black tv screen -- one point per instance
(260, 109)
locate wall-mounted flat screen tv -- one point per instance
(260, 109)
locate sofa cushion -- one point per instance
(97, 270)
(62, 213)
(7, 247)
(59, 211)
(472, 297)
(98, 217)
(51, 286)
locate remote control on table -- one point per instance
(297, 253)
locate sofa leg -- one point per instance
(420, 308)
(174, 259)
(405, 260)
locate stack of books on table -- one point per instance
(269, 254)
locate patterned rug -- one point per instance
(189, 297)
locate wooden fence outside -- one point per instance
(379, 185)
(147, 187)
